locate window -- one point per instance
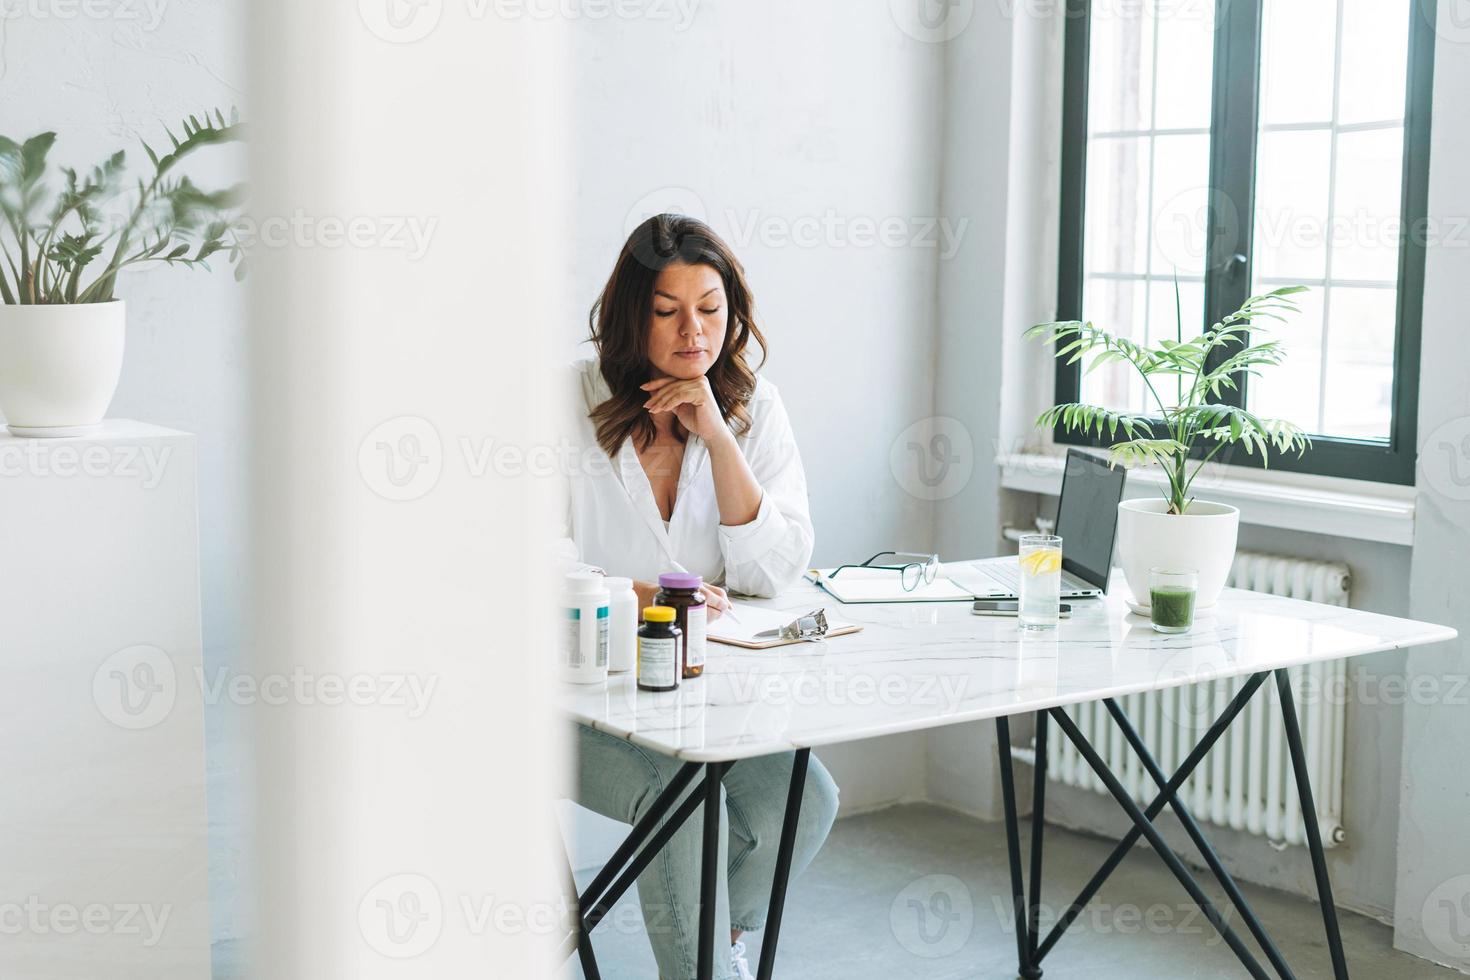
(1217, 148)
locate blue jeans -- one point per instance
(621, 780)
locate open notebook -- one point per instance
(883, 585)
(754, 619)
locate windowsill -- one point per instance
(1314, 504)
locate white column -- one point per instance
(396, 336)
(103, 860)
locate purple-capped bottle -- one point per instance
(684, 593)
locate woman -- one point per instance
(703, 475)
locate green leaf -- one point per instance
(33, 157)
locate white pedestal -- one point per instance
(103, 854)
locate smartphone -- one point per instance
(1010, 607)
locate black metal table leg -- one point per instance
(1192, 828)
(1185, 770)
(772, 932)
(709, 872)
(1038, 822)
(1156, 840)
(640, 832)
(1013, 847)
(1309, 818)
(635, 868)
(585, 954)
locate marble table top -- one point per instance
(916, 666)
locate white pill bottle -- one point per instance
(622, 625)
(585, 612)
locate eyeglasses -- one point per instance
(910, 574)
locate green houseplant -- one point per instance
(1182, 435)
(65, 237)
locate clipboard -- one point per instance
(755, 620)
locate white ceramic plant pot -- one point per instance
(1202, 539)
(59, 366)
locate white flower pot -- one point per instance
(59, 366)
(1202, 539)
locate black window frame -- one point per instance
(1234, 132)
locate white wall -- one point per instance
(102, 84)
(802, 133)
(1433, 903)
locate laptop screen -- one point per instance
(1087, 516)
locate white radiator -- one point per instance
(1246, 781)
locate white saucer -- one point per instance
(1147, 612)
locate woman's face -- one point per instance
(687, 328)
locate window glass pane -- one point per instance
(1297, 61)
(1293, 389)
(1147, 194)
(1164, 317)
(1375, 58)
(1290, 240)
(1120, 79)
(1359, 402)
(1328, 209)
(1118, 306)
(1366, 227)
(1117, 205)
(1181, 200)
(1186, 32)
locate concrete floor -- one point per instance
(919, 891)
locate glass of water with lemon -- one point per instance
(1041, 581)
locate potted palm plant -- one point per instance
(65, 240)
(1177, 530)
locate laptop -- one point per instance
(1087, 519)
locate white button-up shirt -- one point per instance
(614, 521)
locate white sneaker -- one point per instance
(739, 964)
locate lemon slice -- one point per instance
(1042, 561)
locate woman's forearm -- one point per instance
(736, 489)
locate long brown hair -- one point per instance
(620, 323)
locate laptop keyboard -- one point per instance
(1008, 574)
